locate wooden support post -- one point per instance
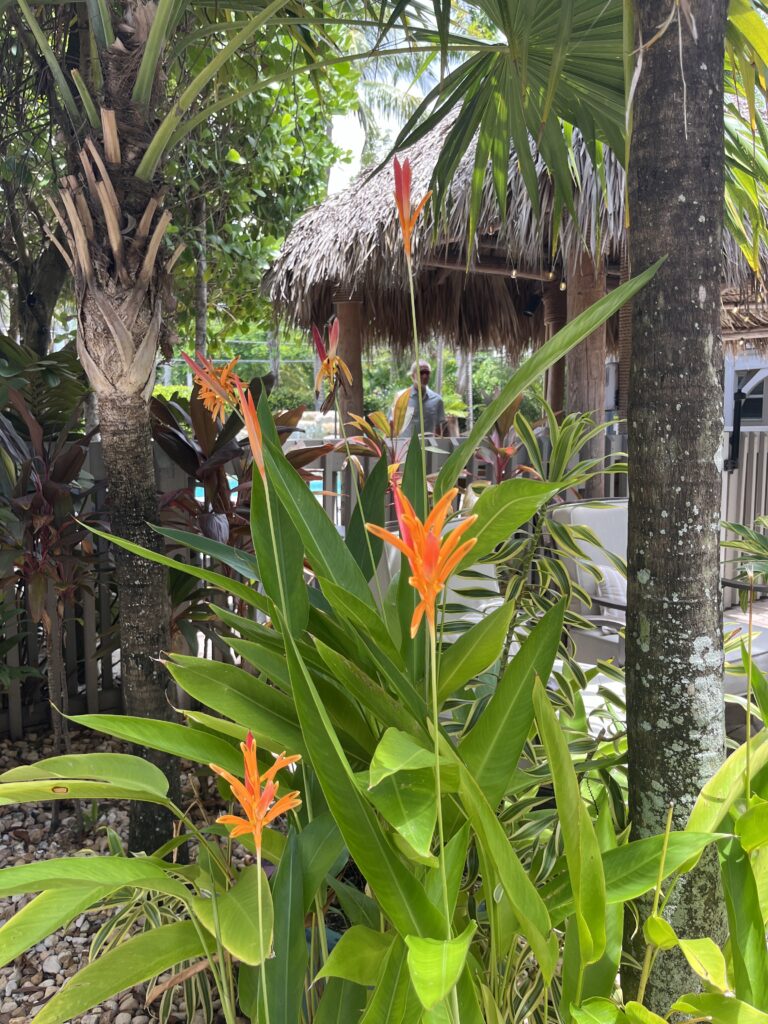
(625, 341)
(350, 315)
(585, 364)
(555, 317)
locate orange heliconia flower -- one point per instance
(257, 795)
(332, 367)
(432, 557)
(252, 425)
(217, 387)
(403, 201)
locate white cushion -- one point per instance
(613, 588)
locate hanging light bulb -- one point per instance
(563, 285)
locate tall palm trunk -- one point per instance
(114, 229)
(142, 587)
(674, 663)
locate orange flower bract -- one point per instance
(403, 202)
(217, 388)
(431, 556)
(257, 795)
(252, 425)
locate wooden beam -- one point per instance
(754, 332)
(493, 269)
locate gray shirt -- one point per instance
(434, 412)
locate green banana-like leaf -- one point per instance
(582, 851)
(128, 964)
(398, 891)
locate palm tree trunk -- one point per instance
(142, 587)
(674, 636)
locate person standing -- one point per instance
(435, 421)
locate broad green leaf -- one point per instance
(407, 801)
(277, 544)
(660, 932)
(581, 848)
(726, 786)
(237, 559)
(492, 748)
(268, 713)
(171, 737)
(284, 972)
(502, 509)
(455, 859)
(347, 716)
(128, 964)
(237, 916)
(64, 872)
(527, 904)
(639, 1014)
(44, 915)
(398, 752)
(341, 1002)
(720, 1009)
(549, 353)
(705, 958)
(435, 965)
(358, 956)
(745, 925)
(474, 651)
(598, 1011)
(386, 710)
(752, 827)
(230, 586)
(125, 770)
(400, 895)
(631, 870)
(320, 846)
(325, 550)
(394, 1000)
(369, 631)
(85, 777)
(357, 907)
(370, 509)
(598, 979)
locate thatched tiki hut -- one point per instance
(526, 277)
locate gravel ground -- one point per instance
(25, 836)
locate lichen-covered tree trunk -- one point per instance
(142, 588)
(674, 635)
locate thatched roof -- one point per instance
(350, 246)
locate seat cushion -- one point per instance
(612, 588)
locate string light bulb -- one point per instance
(563, 286)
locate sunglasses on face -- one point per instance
(424, 373)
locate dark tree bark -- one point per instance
(585, 364)
(201, 280)
(674, 635)
(555, 317)
(39, 287)
(126, 445)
